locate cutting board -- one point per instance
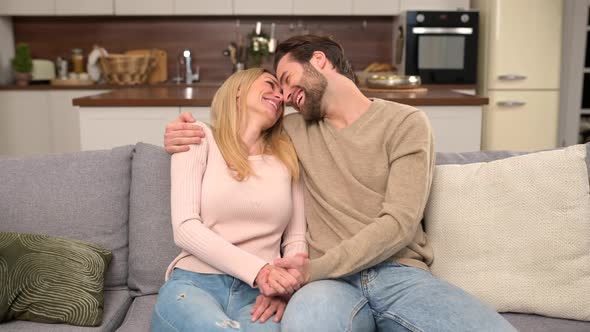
(160, 71)
(71, 82)
(414, 90)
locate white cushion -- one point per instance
(516, 232)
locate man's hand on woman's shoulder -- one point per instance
(181, 133)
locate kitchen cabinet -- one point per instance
(84, 7)
(64, 120)
(519, 70)
(455, 128)
(202, 114)
(108, 127)
(40, 122)
(375, 7)
(521, 120)
(433, 4)
(263, 7)
(325, 7)
(24, 123)
(203, 7)
(530, 29)
(144, 7)
(27, 7)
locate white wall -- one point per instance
(6, 49)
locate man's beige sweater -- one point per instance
(366, 188)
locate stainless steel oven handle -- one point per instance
(442, 31)
(510, 103)
(511, 77)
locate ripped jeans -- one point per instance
(191, 301)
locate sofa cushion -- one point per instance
(139, 315)
(534, 323)
(151, 244)
(82, 195)
(50, 279)
(514, 231)
(116, 304)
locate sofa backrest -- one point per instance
(82, 195)
(450, 158)
(151, 243)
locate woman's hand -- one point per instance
(273, 281)
(266, 306)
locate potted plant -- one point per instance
(22, 64)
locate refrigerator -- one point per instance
(519, 70)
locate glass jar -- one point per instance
(78, 61)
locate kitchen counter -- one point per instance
(202, 95)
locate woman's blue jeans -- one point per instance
(191, 301)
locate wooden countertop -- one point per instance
(200, 95)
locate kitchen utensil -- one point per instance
(362, 76)
(388, 81)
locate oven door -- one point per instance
(442, 55)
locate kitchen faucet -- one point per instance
(190, 77)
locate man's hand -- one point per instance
(274, 281)
(298, 266)
(266, 306)
(181, 133)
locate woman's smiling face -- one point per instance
(265, 100)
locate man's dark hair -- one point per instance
(301, 48)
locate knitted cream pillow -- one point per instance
(516, 232)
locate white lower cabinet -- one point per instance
(521, 120)
(108, 127)
(202, 114)
(24, 123)
(64, 118)
(455, 128)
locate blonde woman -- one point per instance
(237, 202)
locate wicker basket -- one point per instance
(126, 69)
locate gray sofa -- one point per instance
(119, 199)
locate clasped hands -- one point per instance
(277, 282)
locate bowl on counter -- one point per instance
(392, 81)
(362, 76)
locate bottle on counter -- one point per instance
(62, 68)
(77, 61)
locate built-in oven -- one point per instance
(439, 46)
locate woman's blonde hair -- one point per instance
(228, 114)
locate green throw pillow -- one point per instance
(51, 280)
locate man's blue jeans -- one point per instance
(388, 297)
(191, 301)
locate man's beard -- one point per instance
(314, 86)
